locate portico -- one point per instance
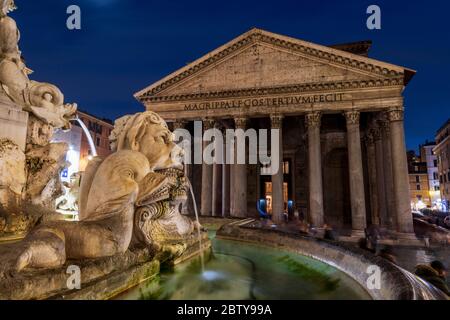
(340, 119)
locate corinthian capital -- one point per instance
(352, 117)
(369, 139)
(179, 124)
(276, 121)
(240, 123)
(396, 114)
(208, 124)
(313, 119)
(376, 134)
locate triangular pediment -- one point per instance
(260, 59)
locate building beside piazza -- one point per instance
(442, 151)
(424, 178)
(340, 115)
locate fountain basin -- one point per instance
(395, 282)
(101, 279)
(243, 271)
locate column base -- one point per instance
(354, 236)
(358, 234)
(317, 232)
(406, 236)
(404, 239)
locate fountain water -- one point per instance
(88, 135)
(202, 259)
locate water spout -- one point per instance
(88, 136)
(202, 259)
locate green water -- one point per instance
(240, 271)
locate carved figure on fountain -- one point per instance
(139, 187)
(69, 200)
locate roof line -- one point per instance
(255, 35)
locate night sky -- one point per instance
(126, 45)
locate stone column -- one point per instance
(372, 169)
(278, 178)
(388, 171)
(226, 189)
(217, 181)
(381, 185)
(356, 173)
(405, 225)
(316, 214)
(239, 179)
(207, 177)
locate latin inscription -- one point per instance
(265, 102)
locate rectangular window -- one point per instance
(417, 179)
(418, 187)
(435, 163)
(98, 142)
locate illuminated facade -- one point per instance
(428, 156)
(442, 151)
(418, 182)
(340, 118)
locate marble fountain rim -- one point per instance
(396, 283)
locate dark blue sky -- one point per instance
(125, 45)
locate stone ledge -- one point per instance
(114, 284)
(100, 278)
(43, 284)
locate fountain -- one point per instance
(88, 136)
(194, 203)
(133, 213)
(30, 111)
(129, 203)
(67, 204)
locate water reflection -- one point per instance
(238, 271)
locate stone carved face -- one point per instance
(158, 146)
(147, 133)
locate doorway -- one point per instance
(266, 201)
(337, 189)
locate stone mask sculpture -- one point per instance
(132, 195)
(69, 201)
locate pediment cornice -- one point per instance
(383, 71)
(301, 88)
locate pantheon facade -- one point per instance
(340, 115)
